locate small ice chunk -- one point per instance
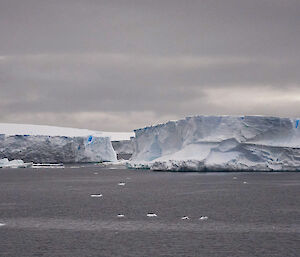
(2, 224)
(121, 184)
(96, 195)
(48, 165)
(234, 177)
(185, 218)
(203, 218)
(245, 182)
(151, 215)
(5, 163)
(95, 173)
(120, 215)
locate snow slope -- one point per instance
(219, 143)
(46, 144)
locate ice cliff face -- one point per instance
(123, 148)
(219, 143)
(56, 149)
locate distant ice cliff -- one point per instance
(46, 144)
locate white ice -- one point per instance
(47, 144)
(203, 218)
(150, 215)
(213, 143)
(96, 195)
(41, 130)
(5, 163)
(49, 165)
(185, 218)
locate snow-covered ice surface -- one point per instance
(5, 163)
(46, 144)
(40, 130)
(219, 143)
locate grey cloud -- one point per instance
(166, 59)
(91, 82)
(161, 27)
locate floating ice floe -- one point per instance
(120, 215)
(121, 184)
(203, 218)
(185, 218)
(151, 215)
(245, 182)
(2, 224)
(234, 177)
(48, 165)
(5, 163)
(96, 195)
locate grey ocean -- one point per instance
(92, 211)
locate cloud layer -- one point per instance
(120, 65)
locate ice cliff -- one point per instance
(123, 148)
(45, 144)
(219, 143)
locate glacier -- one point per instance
(219, 143)
(47, 144)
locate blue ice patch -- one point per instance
(90, 139)
(297, 123)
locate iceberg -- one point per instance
(46, 144)
(5, 163)
(219, 143)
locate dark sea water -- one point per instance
(50, 212)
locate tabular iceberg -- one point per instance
(224, 143)
(45, 144)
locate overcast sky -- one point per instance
(118, 65)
